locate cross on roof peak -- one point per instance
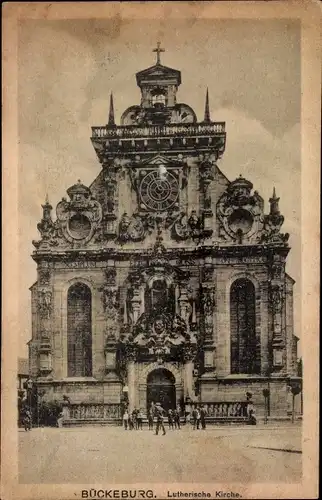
(158, 50)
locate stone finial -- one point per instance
(111, 117)
(274, 200)
(207, 112)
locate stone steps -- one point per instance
(118, 422)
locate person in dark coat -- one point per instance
(134, 418)
(176, 418)
(139, 419)
(203, 413)
(159, 413)
(150, 418)
(195, 418)
(170, 419)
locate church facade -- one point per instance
(163, 280)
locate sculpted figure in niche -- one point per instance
(276, 298)
(209, 302)
(44, 302)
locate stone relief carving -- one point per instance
(240, 214)
(80, 217)
(44, 302)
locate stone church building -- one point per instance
(162, 280)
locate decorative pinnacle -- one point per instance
(47, 206)
(274, 203)
(111, 118)
(207, 112)
(158, 50)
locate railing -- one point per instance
(90, 411)
(158, 131)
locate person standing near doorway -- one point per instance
(159, 413)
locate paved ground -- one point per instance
(110, 454)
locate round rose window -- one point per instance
(241, 220)
(79, 226)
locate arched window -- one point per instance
(244, 352)
(79, 331)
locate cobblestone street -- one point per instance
(110, 454)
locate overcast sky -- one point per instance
(67, 70)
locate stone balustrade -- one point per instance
(226, 409)
(158, 131)
(86, 412)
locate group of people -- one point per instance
(198, 417)
(133, 420)
(157, 414)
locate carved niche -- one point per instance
(80, 217)
(240, 214)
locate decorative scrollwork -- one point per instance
(240, 214)
(80, 217)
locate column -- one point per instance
(131, 384)
(189, 354)
(45, 308)
(131, 358)
(188, 379)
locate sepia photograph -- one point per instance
(159, 208)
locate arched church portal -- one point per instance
(161, 388)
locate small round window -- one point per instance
(79, 226)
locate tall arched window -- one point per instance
(244, 352)
(79, 331)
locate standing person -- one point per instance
(159, 413)
(198, 417)
(126, 419)
(139, 419)
(131, 426)
(195, 418)
(203, 413)
(176, 418)
(27, 420)
(134, 418)
(170, 419)
(150, 418)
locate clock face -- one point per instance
(159, 190)
(182, 113)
